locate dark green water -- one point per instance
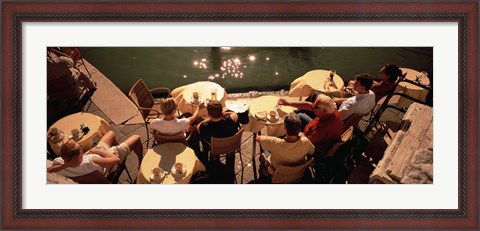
(273, 68)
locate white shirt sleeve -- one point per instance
(347, 108)
(184, 122)
(155, 125)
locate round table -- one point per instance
(184, 94)
(98, 127)
(258, 115)
(165, 156)
(411, 90)
(314, 81)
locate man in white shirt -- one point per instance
(361, 103)
(107, 154)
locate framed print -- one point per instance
(448, 28)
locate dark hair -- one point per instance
(293, 124)
(214, 109)
(365, 79)
(393, 72)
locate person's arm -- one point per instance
(58, 167)
(196, 112)
(107, 160)
(346, 109)
(311, 148)
(234, 116)
(339, 101)
(304, 105)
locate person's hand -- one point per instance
(201, 106)
(283, 102)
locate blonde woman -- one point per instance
(171, 124)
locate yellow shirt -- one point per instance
(285, 153)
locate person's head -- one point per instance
(363, 82)
(72, 151)
(390, 72)
(324, 106)
(214, 108)
(168, 106)
(293, 124)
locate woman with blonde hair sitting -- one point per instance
(171, 124)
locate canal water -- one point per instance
(241, 69)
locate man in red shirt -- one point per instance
(326, 128)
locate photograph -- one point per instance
(228, 115)
(309, 115)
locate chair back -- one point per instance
(141, 96)
(94, 177)
(290, 174)
(177, 138)
(347, 135)
(352, 121)
(222, 146)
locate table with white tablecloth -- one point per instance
(97, 128)
(183, 96)
(315, 81)
(411, 90)
(165, 156)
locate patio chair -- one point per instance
(352, 121)
(223, 147)
(161, 138)
(346, 136)
(94, 177)
(109, 177)
(328, 164)
(142, 98)
(290, 174)
(77, 57)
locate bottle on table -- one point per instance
(214, 93)
(331, 82)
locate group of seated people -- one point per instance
(305, 132)
(63, 63)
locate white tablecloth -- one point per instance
(258, 115)
(314, 81)
(165, 156)
(410, 89)
(184, 94)
(98, 127)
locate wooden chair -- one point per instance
(222, 147)
(347, 135)
(142, 98)
(94, 177)
(77, 57)
(161, 138)
(352, 120)
(290, 174)
(109, 177)
(327, 164)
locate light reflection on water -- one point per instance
(246, 68)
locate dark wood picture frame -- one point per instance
(465, 13)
